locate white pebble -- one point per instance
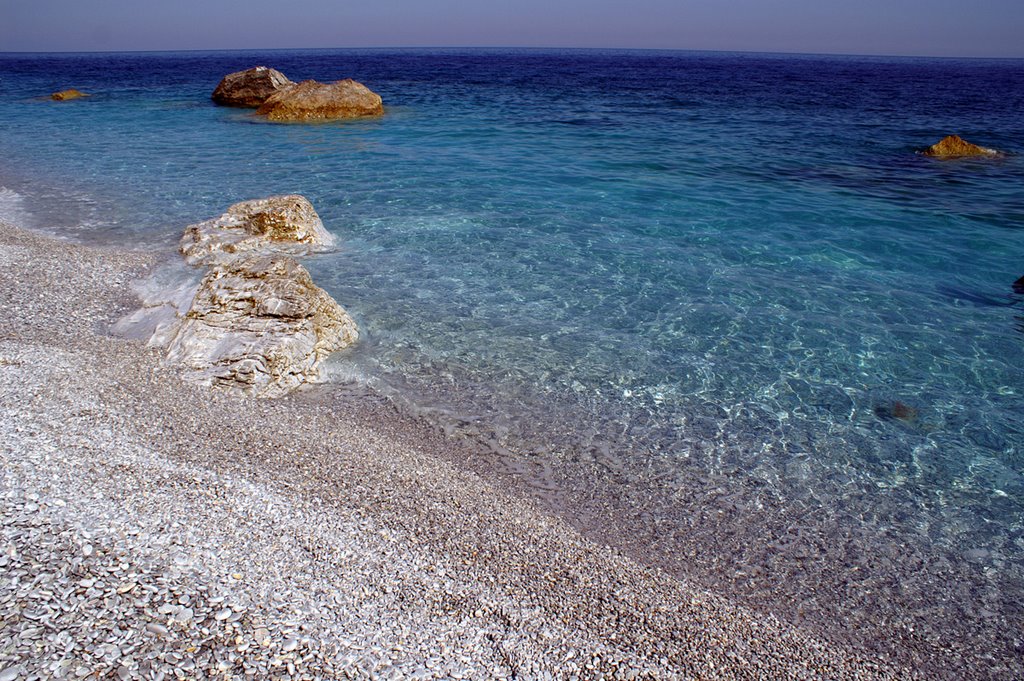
(156, 628)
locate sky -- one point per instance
(965, 28)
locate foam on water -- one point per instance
(713, 308)
(165, 296)
(12, 207)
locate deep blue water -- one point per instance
(716, 303)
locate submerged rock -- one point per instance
(281, 224)
(896, 410)
(314, 101)
(260, 324)
(953, 146)
(64, 95)
(250, 87)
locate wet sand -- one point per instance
(151, 526)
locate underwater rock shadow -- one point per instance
(976, 298)
(1013, 299)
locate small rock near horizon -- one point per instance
(64, 95)
(953, 146)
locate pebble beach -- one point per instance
(152, 529)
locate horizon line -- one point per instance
(514, 47)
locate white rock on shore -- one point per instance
(256, 321)
(277, 224)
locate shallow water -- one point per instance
(713, 307)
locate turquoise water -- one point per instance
(713, 307)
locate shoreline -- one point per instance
(338, 542)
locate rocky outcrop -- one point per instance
(250, 87)
(64, 95)
(255, 322)
(314, 101)
(281, 224)
(258, 323)
(279, 99)
(953, 146)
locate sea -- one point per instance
(713, 309)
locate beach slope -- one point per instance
(149, 525)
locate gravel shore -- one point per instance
(155, 530)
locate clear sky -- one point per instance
(897, 27)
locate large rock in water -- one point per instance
(250, 87)
(281, 224)
(314, 101)
(258, 323)
(953, 146)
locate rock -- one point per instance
(10, 674)
(255, 321)
(250, 87)
(282, 224)
(258, 323)
(314, 101)
(1018, 286)
(68, 94)
(157, 629)
(903, 411)
(279, 99)
(953, 146)
(896, 410)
